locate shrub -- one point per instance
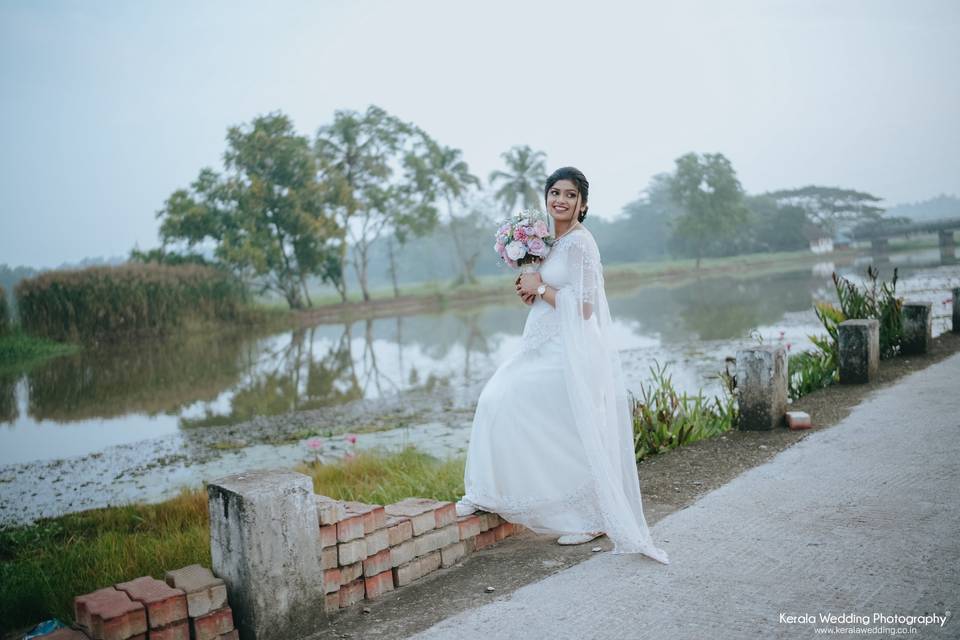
(664, 419)
(107, 302)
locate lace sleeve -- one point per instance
(583, 265)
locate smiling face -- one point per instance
(563, 201)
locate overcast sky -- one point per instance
(107, 107)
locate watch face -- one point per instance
(542, 289)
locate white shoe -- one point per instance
(465, 507)
(578, 538)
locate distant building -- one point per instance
(823, 244)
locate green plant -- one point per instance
(872, 303)
(810, 370)
(664, 419)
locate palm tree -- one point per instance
(453, 180)
(526, 171)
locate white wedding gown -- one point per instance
(551, 446)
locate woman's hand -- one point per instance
(528, 283)
(527, 299)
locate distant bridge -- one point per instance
(944, 228)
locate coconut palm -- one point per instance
(453, 180)
(521, 183)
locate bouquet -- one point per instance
(524, 240)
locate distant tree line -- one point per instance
(371, 198)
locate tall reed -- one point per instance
(101, 303)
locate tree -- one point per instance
(711, 198)
(265, 215)
(523, 180)
(377, 182)
(453, 181)
(827, 207)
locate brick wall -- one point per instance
(367, 550)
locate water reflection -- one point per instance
(139, 391)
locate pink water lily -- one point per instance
(352, 439)
(315, 444)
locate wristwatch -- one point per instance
(542, 289)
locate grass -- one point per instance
(43, 566)
(19, 351)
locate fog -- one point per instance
(107, 107)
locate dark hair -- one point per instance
(575, 176)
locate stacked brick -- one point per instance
(369, 550)
(190, 605)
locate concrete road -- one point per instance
(862, 520)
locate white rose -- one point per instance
(516, 250)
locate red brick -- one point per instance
(376, 586)
(212, 625)
(328, 558)
(66, 634)
(328, 535)
(350, 528)
(445, 513)
(406, 573)
(419, 510)
(377, 541)
(353, 551)
(374, 515)
(165, 604)
(108, 614)
(176, 631)
(469, 526)
(399, 529)
(350, 573)
(352, 593)
(377, 563)
(329, 511)
(205, 592)
(451, 554)
(484, 539)
(230, 635)
(500, 531)
(798, 420)
(331, 602)
(403, 552)
(331, 580)
(430, 563)
(470, 544)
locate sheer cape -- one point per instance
(598, 395)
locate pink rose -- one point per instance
(540, 228)
(519, 234)
(537, 247)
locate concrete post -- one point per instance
(956, 310)
(948, 254)
(859, 346)
(265, 544)
(761, 387)
(917, 318)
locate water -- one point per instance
(84, 403)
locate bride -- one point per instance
(551, 446)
